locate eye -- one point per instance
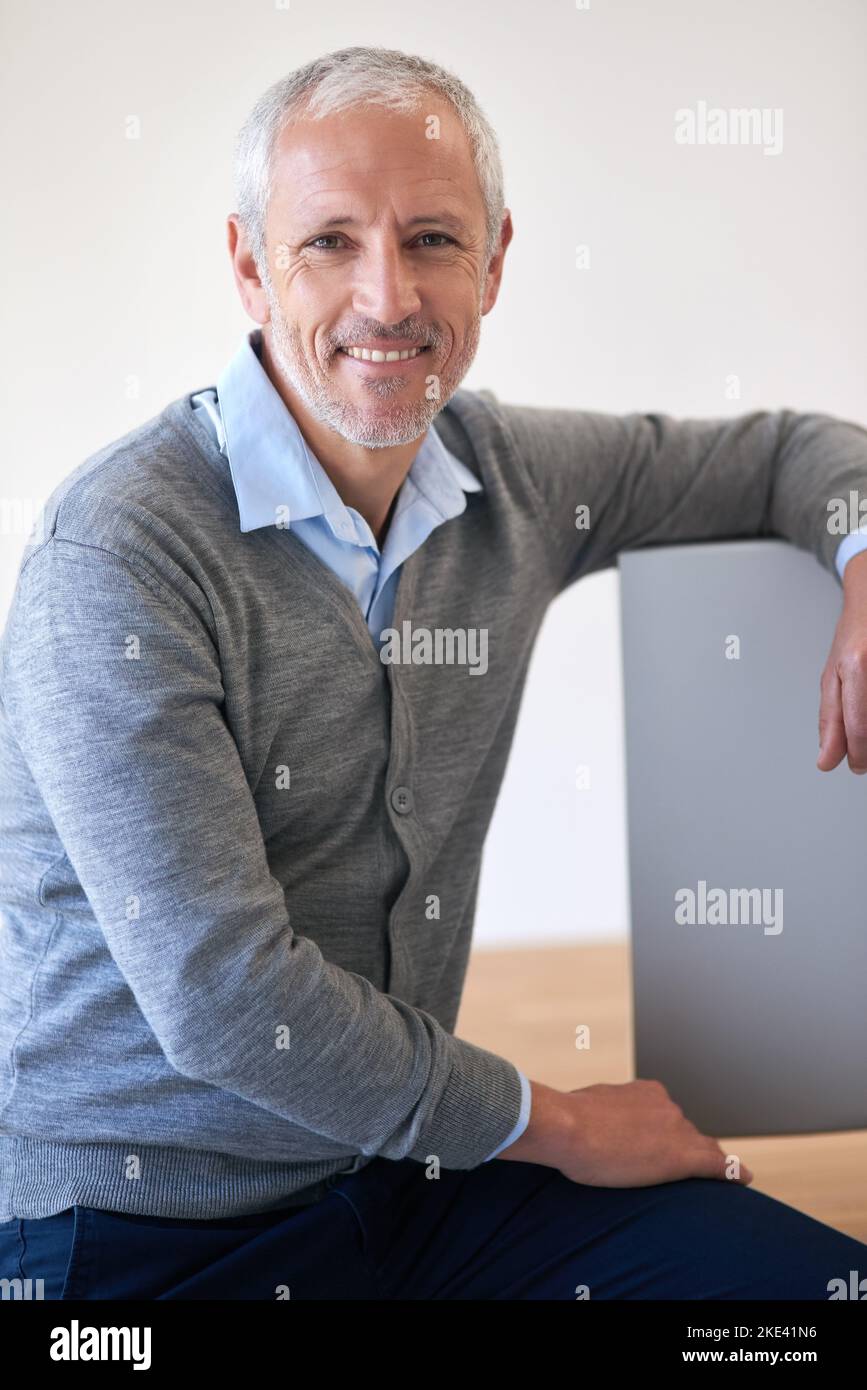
(443, 238)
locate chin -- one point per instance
(381, 431)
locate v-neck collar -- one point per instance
(300, 557)
(305, 561)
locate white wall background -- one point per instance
(705, 261)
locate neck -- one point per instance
(366, 479)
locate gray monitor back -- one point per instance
(752, 1028)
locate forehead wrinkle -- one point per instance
(305, 152)
(366, 164)
(371, 172)
(300, 209)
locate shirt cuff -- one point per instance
(526, 1096)
(849, 546)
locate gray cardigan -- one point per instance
(239, 854)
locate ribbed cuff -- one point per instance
(477, 1111)
(523, 1118)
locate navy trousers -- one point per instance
(503, 1230)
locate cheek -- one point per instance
(315, 319)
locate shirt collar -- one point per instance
(272, 466)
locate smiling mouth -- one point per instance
(363, 354)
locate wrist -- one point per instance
(855, 570)
(551, 1130)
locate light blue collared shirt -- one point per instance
(850, 545)
(277, 478)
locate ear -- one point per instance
(250, 287)
(495, 269)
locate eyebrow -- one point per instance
(446, 219)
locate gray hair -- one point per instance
(340, 80)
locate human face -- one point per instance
(375, 238)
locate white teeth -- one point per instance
(374, 355)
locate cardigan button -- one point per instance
(401, 800)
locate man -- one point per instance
(260, 678)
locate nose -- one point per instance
(386, 288)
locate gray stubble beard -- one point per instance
(406, 422)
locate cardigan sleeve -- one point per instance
(605, 483)
(113, 688)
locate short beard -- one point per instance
(404, 422)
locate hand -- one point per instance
(635, 1135)
(843, 705)
(631, 1135)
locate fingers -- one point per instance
(832, 728)
(711, 1161)
(853, 691)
